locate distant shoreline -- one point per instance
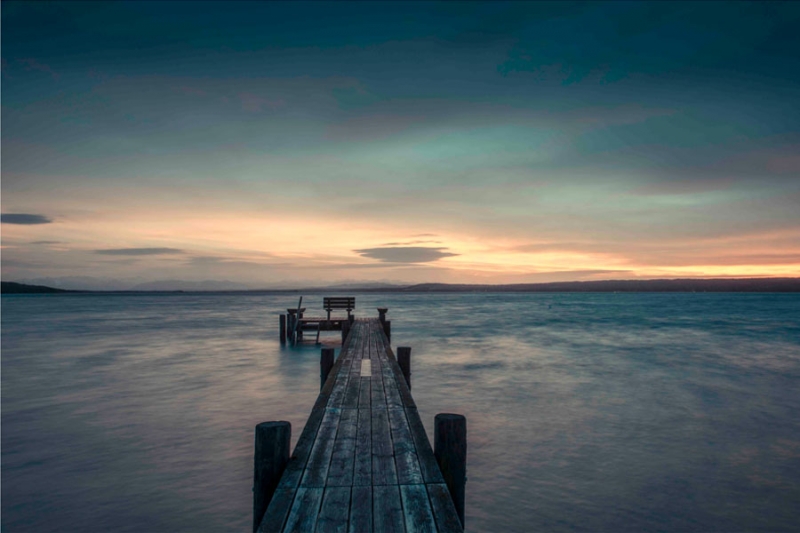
(651, 285)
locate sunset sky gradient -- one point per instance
(299, 144)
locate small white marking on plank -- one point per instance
(366, 368)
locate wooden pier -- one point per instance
(295, 323)
(363, 463)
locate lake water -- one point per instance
(586, 412)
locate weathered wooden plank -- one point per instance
(402, 387)
(278, 510)
(335, 510)
(405, 454)
(361, 510)
(427, 462)
(341, 369)
(302, 450)
(384, 471)
(443, 509)
(417, 509)
(377, 392)
(362, 474)
(393, 399)
(388, 509)
(383, 468)
(340, 472)
(364, 392)
(316, 471)
(303, 515)
(381, 434)
(353, 389)
(348, 424)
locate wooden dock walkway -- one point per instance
(363, 462)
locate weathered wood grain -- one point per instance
(278, 510)
(316, 471)
(335, 510)
(303, 516)
(416, 509)
(405, 453)
(443, 509)
(388, 511)
(362, 474)
(361, 510)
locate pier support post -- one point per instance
(387, 329)
(325, 365)
(450, 450)
(283, 329)
(273, 440)
(404, 360)
(345, 330)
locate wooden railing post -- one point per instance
(325, 365)
(283, 329)
(345, 330)
(404, 360)
(450, 450)
(273, 440)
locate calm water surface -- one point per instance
(586, 412)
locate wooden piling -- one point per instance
(382, 314)
(273, 440)
(325, 365)
(387, 329)
(283, 329)
(404, 360)
(450, 450)
(345, 330)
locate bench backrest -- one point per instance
(345, 302)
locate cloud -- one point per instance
(24, 219)
(407, 243)
(32, 64)
(254, 103)
(45, 242)
(139, 251)
(405, 254)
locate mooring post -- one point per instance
(382, 314)
(345, 330)
(387, 329)
(450, 450)
(404, 360)
(283, 329)
(273, 440)
(325, 365)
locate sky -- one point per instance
(296, 144)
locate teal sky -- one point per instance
(275, 144)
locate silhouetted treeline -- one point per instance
(10, 287)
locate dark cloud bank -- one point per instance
(405, 254)
(24, 219)
(139, 251)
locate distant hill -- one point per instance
(179, 285)
(10, 287)
(633, 285)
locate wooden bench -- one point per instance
(337, 302)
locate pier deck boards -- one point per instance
(363, 462)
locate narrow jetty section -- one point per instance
(363, 463)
